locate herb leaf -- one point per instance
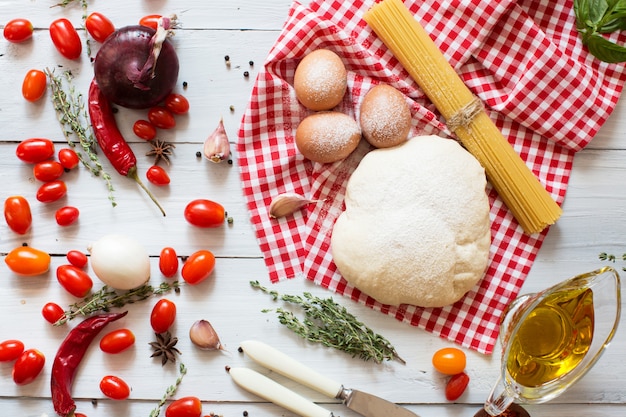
(606, 50)
(597, 17)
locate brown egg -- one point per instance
(385, 117)
(320, 80)
(327, 136)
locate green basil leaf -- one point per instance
(595, 10)
(605, 50)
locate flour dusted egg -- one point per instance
(320, 80)
(327, 137)
(385, 117)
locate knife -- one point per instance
(363, 403)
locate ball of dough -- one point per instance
(416, 226)
(327, 136)
(385, 117)
(320, 80)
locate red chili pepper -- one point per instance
(110, 139)
(69, 356)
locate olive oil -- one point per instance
(553, 338)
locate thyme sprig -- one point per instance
(170, 391)
(106, 298)
(332, 325)
(611, 258)
(76, 127)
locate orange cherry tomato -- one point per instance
(184, 407)
(28, 261)
(75, 280)
(34, 85)
(117, 341)
(168, 262)
(35, 150)
(99, 26)
(198, 267)
(151, 21)
(114, 387)
(47, 171)
(456, 386)
(28, 366)
(65, 38)
(52, 312)
(10, 350)
(18, 30)
(163, 315)
(449, 361)
(50, 192)
(68, 158)
(17, 214)
(205, 213)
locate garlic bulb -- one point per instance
(203, 335)
(216, 146)
(286, 204)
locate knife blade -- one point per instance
(363, 403)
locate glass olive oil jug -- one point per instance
(552, 338)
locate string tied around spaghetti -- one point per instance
(464, 116)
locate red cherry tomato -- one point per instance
(205, 213)
(161, 117)
(114, 387)
(17, 214)
(10, 350)
(157, 175)
(77, 258)
(65, 38)
(35, 150)
(117, 341)
(75, 281)
(47, 171)
(99, 26)
(449, 361)
(168, 262)
(198, 267)
(80, 415)
(28, 366)
(184, 407)
(28, 261)
(68, 158)
(456, 386)
(66, 216)
(163, 315)
(177, 103)
(34, 85)
(51, 191)
(151, 21)
(144, 130)
(18, 30)
(52, 312)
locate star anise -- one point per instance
(165, 347)
(161, 150)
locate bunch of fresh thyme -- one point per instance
(611, 258)
(74, 120)
(106, 298)
(332, 325)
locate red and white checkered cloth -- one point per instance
(523, 58)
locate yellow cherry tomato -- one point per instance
(28, 261)
(449, 361)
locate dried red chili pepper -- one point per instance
(110, 139)
(69, 356)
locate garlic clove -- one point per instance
(286, 204)
(204, 336)
(216, 146)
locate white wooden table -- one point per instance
(594, 221)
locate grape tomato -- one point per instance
(117, 341)
(34, 150)
(456, 386)
(65, 38)
(99, 26)
(34, 85)
(66, 216)
(157, 175)
(145, 130)
(151, 21)
(74, 280)
(184, 407)
(28, 261)
(168, 262)
(52, 191)
(77, 258)
(17, 214)
(28, 366)
(198, 266)
(449, 361)
(18, 30)
(10, 350)
(177, 103)
(68, 158)
(47, 171)
(161, 117)
(205, 213)
(52, 312)
(163, 315)
(114, 387)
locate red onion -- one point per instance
(134, 69)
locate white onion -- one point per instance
(120, 261)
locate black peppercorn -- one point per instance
(198, 154)
(246, 73)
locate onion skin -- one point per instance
(122, 56)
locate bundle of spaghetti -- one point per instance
(522, 192)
